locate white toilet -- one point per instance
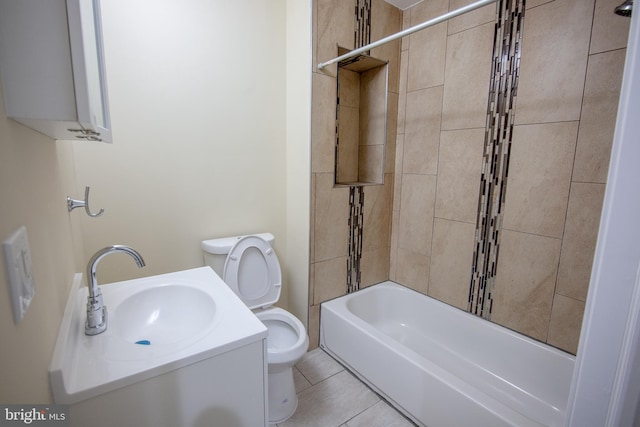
(250, 267)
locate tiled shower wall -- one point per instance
(334, 25)
(419, 227)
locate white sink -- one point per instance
(155, 325)
(163, 315)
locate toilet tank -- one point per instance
(216, 250)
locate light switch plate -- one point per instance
(18, 258)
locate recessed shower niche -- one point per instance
(361, 114)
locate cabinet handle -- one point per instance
(88, 134)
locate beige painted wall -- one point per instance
(36, 175)
(210, 108)
(198, 116)
(298, 155)
(198, 101)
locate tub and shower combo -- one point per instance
(437, 364)
(442, 366)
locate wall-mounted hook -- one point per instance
(73, 203)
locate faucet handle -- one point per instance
(73, 203)
(96, 315)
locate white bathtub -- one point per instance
(442, 366)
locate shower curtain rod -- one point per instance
(426, 24)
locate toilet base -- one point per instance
(283, 400)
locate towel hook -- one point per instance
(73, 203)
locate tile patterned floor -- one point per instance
(330, 396)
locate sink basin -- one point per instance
(163, 315)
(156, 325)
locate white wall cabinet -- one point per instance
(52, 67)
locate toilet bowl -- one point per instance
(287, 337)
(286, 344)
(250, 267)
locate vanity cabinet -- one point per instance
(228, 390)
(52, 67)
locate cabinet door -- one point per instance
(52, 67)
(85, 34)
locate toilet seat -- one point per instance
(284, 344)
(252, 271)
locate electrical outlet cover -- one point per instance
(18, 258)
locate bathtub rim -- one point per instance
(453, 309)
(340, 308)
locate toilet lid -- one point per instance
(252, 271)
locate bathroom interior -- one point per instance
(205, 95)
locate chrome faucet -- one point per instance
(96, 310)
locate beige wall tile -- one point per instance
(535, 3)
(348, 138)
(471, 19)
(554, 61)
(412, 270)
(312, 220)
(335, 27)
(387, 20)
(371, 163)
(330, 279)
(332, 216)
(402, 97)
(390, 52)
(392, 125)
(459, 170)
(598, 118)
(526, 276)
(451, 255)
(349, 88)
(539, 178)
(314, 35)
(397, 176)
(312, 284)
(314, 326)
(610, 31)
(427, 53)
(422, 131)
(323, 123)
(579, 241)
(373, 106)
(374, 266)
(393, 255)
(416, 213)
(551, 85)
(406, 23)
(466, 84)
(565, 324)
(426, 10)
(377, 215)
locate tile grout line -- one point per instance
(378, 395)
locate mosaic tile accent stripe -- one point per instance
(356, 222)
(362, 27)
(503, 87)
(362, 36)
